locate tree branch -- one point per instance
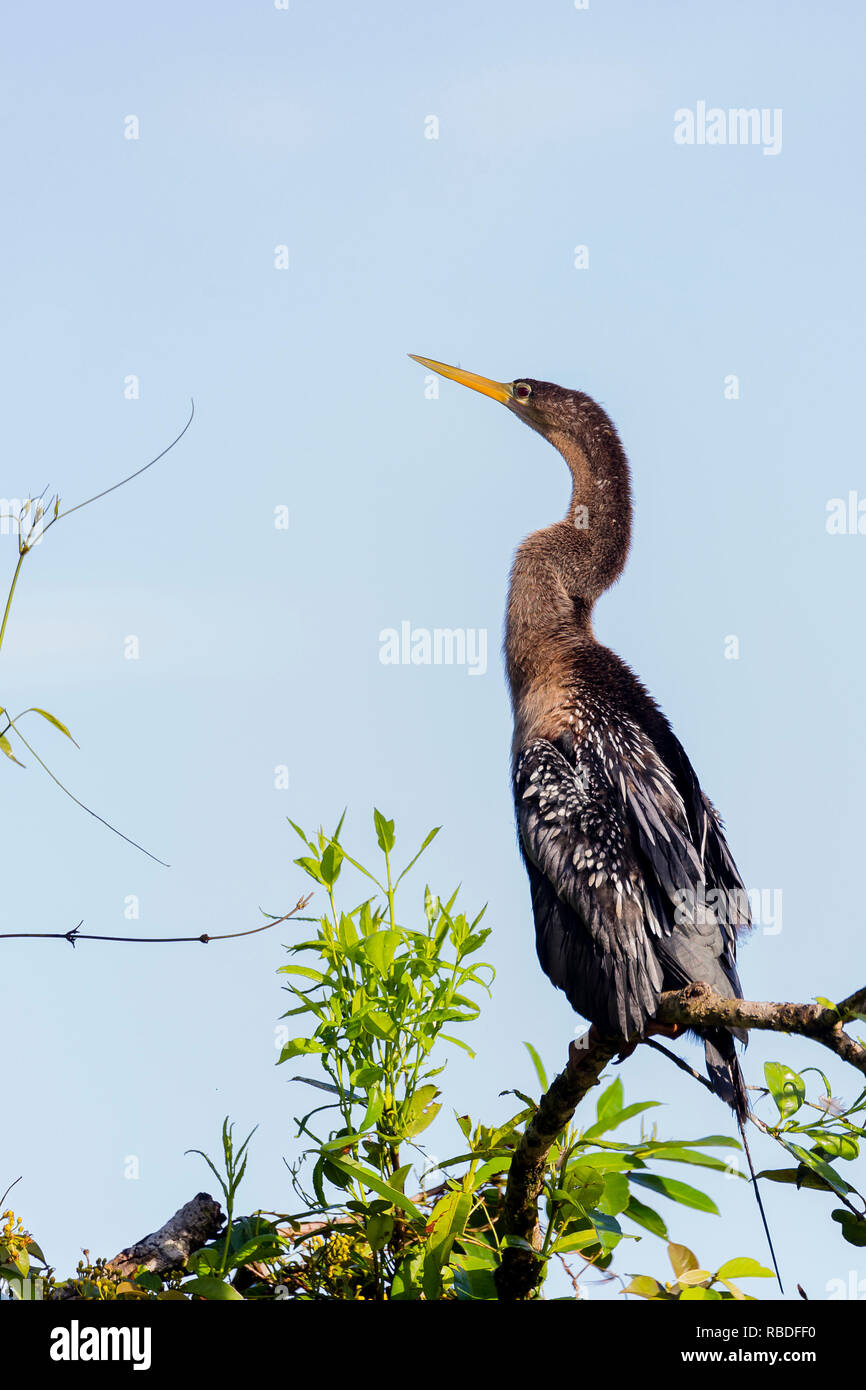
(696, 1006)
(520, 1269)
(170, 1247)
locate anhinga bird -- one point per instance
(634, 890)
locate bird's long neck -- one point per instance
(600, 508)
(559, 573)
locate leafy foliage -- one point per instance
(818, 1141)
(691, 1283)
(379, 1003)
(379, 996)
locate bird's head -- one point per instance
(584, 434)
(553, 411)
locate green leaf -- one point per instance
(675, 1154)
(366, 1075)
(787, 1087)
(318, 1186)
(609, 1161)
(311, 867)
(576, 1240)
(536, 1062)
(376, 1184)
(380, 949)
(299, 1047)
(52, 719)
(206, 1286)
(447, 1222)
(331, 860)
(421, 1111)
(646, 1217)
(743, 1268)
(398, 1179)
(817, 1165)
(700, 1295)
(347, 934)
(583, 1186)
(615, 1197)
(375, 1106)
(406, 1284)
(473, 942)
(799, 1177)
(384, 832)
(610, 1101)
(477, 1284)
(304, 970)
(490, 1168)
(6, 746)
(677, 1191)
(298, 831)
(379, 1230)
(614, 1118)
(853, 1227)
(834, 1145)
(691, 1277)
(379, 1024)
(342, 1141)
(412, 862)
(709, 1141)
(204, 1261)
(607, 1229)
(644, 1287)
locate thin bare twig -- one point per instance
(25, 545)
(76, 935)
(9, 1189)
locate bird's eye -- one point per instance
(522, 391)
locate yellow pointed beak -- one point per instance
(501, 391)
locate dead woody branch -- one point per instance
(697, 1006)
(196, 1223)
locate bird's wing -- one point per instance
(724, 886)
(618, 885)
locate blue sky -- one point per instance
(259, 647)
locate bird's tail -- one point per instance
(726, 1079)
(723, 1069)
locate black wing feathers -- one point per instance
(633, 887)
